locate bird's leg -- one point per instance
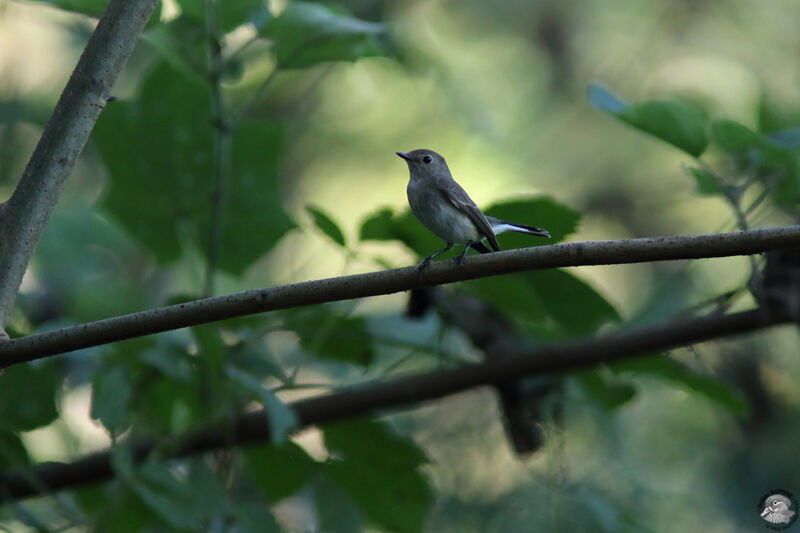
(460, 259)
(424, 264)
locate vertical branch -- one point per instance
(24, 216)
(222, 147)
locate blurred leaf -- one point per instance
(332, 336)
(170, 359)
(168, 406)
(542, 211)
(230, 13)
(254, 518)
(550, 303)
(95, 8)
(734, 138)
(185, 503)
(608, 394)
(380, 472)
(280, 416)
(111, 397)
(114, 508)
(571, 302)
(326, 225)
(670, 370)
(335, 511)
(12, 451)
(182, 44)
(164, 199)
(706, 183)
(27, 395)
(788, 139)
(279, 470)
(675, 122)
(307, 33)
(604, 100)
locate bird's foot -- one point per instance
(422, 266)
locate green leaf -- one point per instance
(181, 503)
(307, 33)
(12, 451)
(706, 182)
(27, 395)
(734, 138)
(163, 199)
(673, 121)
(182, 44)
(279, 471)
(335, 511)
(230, 13)
(254, 518)
(380, 472)
(332, 336)
(282, 419)
(607, 393)
(327, 225)
(670, 370)
(549, 303)
(542, 211)
(95, 8)
(111, 397)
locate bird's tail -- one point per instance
(499, 226)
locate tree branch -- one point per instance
(24, 216)
(206, 310)
(407, 391)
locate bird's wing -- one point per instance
(458, 198)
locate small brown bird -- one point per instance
(445, 208)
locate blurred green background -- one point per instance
(498, 88)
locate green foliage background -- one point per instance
(520, 98)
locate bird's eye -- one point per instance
(427, 159)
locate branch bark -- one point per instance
(408, 391)
(391, 281)
(24, 216)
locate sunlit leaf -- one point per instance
(733, 137)
(706, 182)
(673, 121)
(306, 33)
(327, 225)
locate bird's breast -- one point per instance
(439, 215)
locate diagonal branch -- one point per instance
(409, 391)
(24, 216)
(391, 281)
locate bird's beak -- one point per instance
(404, 155)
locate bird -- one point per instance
(445, 208)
